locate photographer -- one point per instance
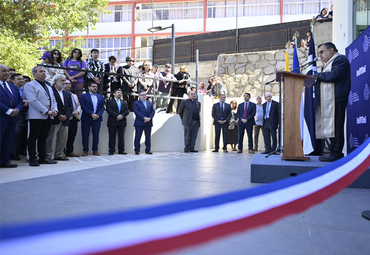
(179, 89)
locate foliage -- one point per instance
(26, 25)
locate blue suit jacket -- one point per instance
(141, 112)
(5, 103)
(88, 108)
(250, 113)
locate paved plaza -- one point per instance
(96, 184)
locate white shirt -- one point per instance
(94, 99)
(61, 95)
(5, 84)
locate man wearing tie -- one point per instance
(21, 126)
(11, 104)
(117, 110)
(270, 122)
(246, 112)
(144, 112)
(92, 105)
(221, 113)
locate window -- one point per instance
(169, 11)
(119, 13)
(294, 7)
(227, 8)
(118, 47)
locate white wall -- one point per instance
(167, 132)
(108, 28)
(187, 25)
(219, 24)
(342, 24)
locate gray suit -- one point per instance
(39, 101)
(191, 125)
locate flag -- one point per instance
(295, 61)
(286, 61)
(309, 102)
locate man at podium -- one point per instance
(333, 86)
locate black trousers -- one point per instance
(20, 130)
(337, 143)
(268, 134)
(39, 130)
(72, 132)
(249, 129)
(218, 128)
(130, 101)
(112, 131)
(176, 93)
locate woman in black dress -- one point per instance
(232, 133)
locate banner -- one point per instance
(358, 108)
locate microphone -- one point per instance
(310, 63)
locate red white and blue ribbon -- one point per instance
(167, 227)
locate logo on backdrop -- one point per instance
(366, 43)
(361, 70)
(361, 120)
(353, 97)
(353, 54)
(366, 92)
(353, 141)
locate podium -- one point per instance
(291, 93)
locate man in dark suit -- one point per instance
(11, 104)
(246, 112)
(221, 113)
(117, 111)
(144, 112)
(58, 134)
(111, 67)
(92, 105)
(41, 112)
(270, 123)
(179, 89)
(337, 72)
(189, 112)
(21, 126)
(129, 84)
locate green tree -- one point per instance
(26, 25)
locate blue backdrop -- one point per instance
(358, 108)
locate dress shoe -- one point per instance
(111, 153)
(34, 162)
(186, 151)
(137, 152)
(8, 165)
(95, 153)
(240, 151)
(84, 154)
(148, 152)
(15, 157)
(193, 151)
(251, 151)
(123, 153)
(215, 151)
(225, 151)
(234, 150)
(71, 155)
(62, 158)
(47, 161)
(328, 158)
(265, 152)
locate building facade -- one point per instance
(124, 31)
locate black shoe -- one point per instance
(111, 153)
(215, 151)
(8, 165)
(186, 151)
(328, 158)
(34, 162)
(47, 161)
(265, 152)
(123, 153)
(16, 157)
(193, 151)
(225, 151)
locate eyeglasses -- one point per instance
(322, 51)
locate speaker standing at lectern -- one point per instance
(332, 89)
